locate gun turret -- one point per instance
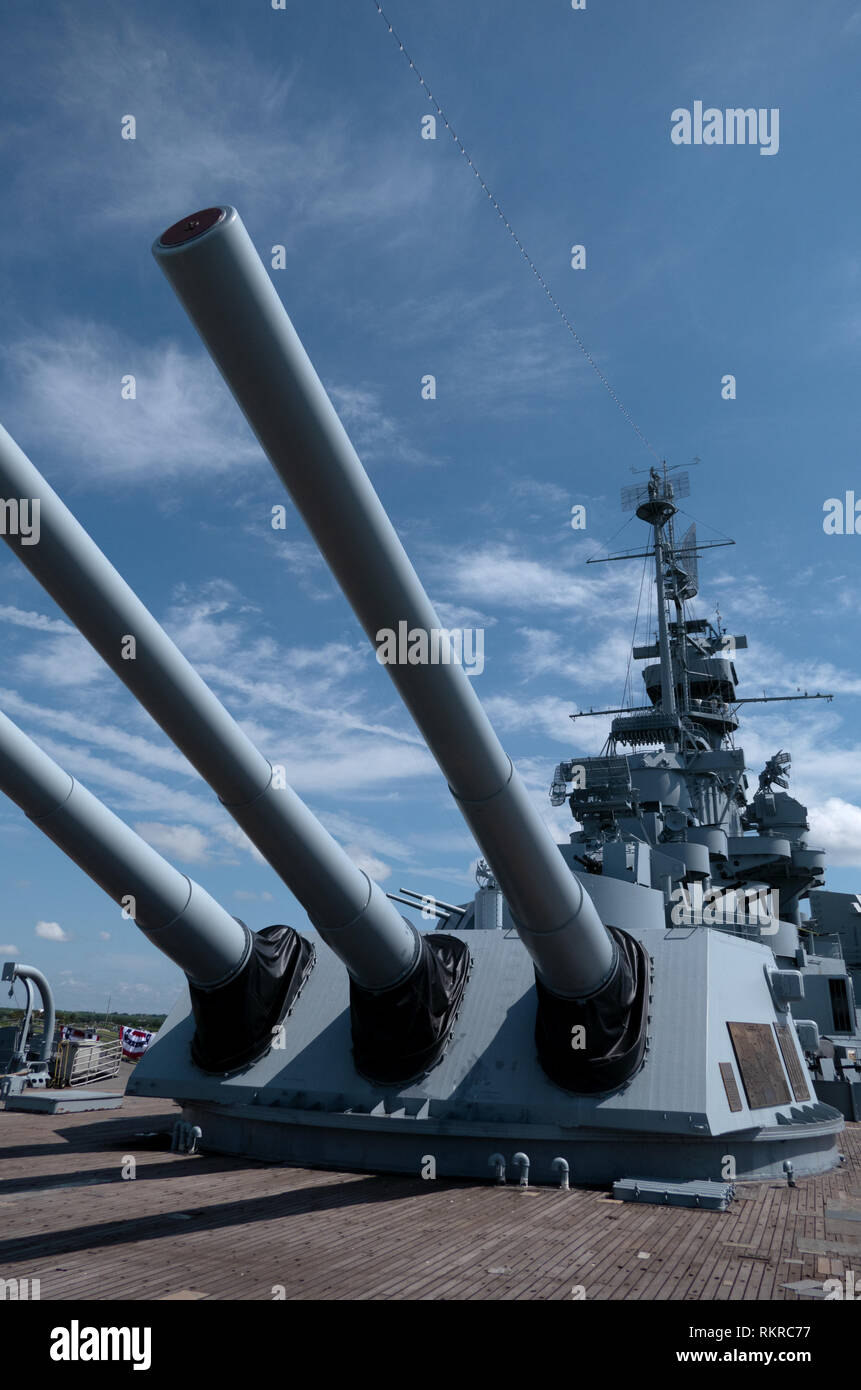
(587, 974)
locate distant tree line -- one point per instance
(93, 1018)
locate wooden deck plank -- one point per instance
(221, 1228)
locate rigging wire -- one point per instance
(515, 238)
(722, 534)
(603, 544)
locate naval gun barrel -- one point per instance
(349, 910)
(240, 983)
(176, 914)
(212, 265)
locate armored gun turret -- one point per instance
(593, 1037)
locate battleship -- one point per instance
(596, 1013)
(652, 1024)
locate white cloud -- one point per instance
(377, 436)
(257, 138)
(105, 736)
(366, 763)
(835, 826)
(182, 422)
(183, 842)
(543, 651)
(458, 615)
(373, 867)
(51, 931)
(37, 622)
(9, 950)
(498, 573)
(66, 661)
(547, 715)
(104, 936)
(130, 788)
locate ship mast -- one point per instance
(658, 509)
(692, 686)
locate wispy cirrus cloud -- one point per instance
(35, 622)
(67, 390)
(208, 117)
(375, 432)
(511, 575)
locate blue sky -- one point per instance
(701, 261)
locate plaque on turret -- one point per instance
(759, 1063)
(800, 1089)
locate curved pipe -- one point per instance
(10, 973)
(521, 1161)
(497, 1163)
(211, 264)
(560, 1166)
(29, 973)
(352, 915)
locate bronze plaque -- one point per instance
(759, 1064)
(730, 1085)
(797, 1080)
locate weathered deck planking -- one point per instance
(219, 1228)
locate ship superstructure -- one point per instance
(668, 804)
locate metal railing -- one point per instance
(79, 1064)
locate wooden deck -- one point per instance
(215, 1228)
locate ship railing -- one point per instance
(80, 1064)
(824, 944)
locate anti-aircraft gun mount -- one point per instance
(565, 1023)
